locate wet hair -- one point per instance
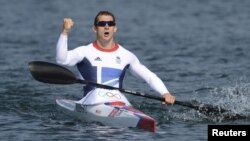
(107, 13)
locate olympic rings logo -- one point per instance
(109, 95)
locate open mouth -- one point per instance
(106, 33)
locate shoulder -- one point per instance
(125, 51)
(82, 50)
(129, 55)
(84, 47)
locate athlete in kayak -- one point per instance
(105, 61)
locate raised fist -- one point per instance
(67, 25)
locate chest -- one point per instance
(114, 60)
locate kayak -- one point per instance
(115, 114)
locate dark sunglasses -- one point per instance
(104, 23)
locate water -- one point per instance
(200, 49)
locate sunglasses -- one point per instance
(104, 23)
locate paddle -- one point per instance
(56, 74)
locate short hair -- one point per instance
(107, 13)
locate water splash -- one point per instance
(228, 103)
(232, 100)
(235, 98)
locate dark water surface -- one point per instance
(200, 49)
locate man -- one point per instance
(105, 61)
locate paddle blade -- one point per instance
(211, 110)
(51, 73)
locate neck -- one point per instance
(107, 48)
(106, 44)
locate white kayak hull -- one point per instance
(110, 114)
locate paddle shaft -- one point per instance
(56, 74)
(132, 92)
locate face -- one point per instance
(105, 30)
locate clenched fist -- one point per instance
(67, 25)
